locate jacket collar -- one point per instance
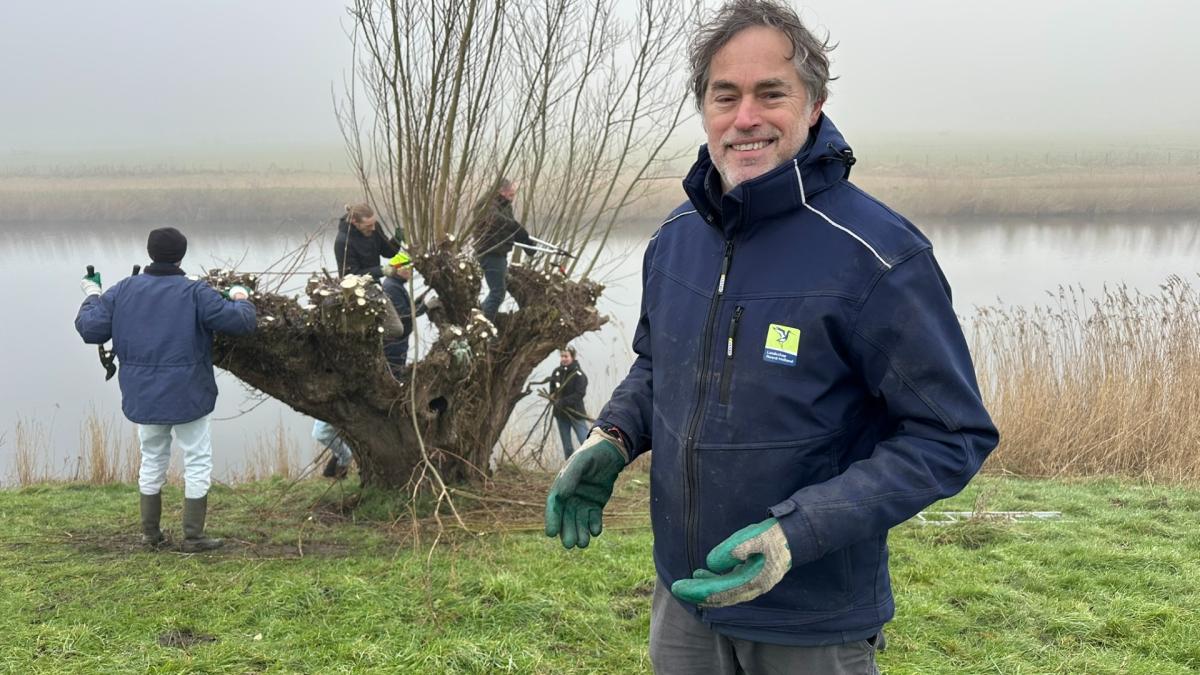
(161, 269)
(822, 162)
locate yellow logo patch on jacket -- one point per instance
(783, 343)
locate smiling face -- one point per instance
(756, 110)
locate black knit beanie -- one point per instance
(166, 245)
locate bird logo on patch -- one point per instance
(782, 345)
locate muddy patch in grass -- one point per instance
(183, 638)
(126, 544)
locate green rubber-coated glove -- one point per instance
(744, 566)
(575, 506)
(90, 285)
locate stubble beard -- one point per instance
(732, 176)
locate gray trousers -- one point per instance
(681, 643)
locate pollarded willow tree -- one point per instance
(564, 96)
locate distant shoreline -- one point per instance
(971, 192)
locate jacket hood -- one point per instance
(824, 160)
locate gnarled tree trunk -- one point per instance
(326, 361)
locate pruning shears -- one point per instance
(543, 246)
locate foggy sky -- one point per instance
(108, 78)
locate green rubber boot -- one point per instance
(151, 507)
(194, 539)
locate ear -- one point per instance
(816, 113)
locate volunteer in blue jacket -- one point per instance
(800, 375)
(161, 325)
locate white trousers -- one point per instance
(327, 435)
(196, 443)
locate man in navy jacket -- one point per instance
(161, 325)
(801, 377)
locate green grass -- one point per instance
(1110, 589)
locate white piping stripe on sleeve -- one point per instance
(677, 217)
(804, 200)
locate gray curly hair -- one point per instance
(809, 53)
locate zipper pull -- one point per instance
(733, 326)
(725, 266)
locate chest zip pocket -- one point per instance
(727, 369)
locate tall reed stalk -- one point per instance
(32, 448)
(1088, 386)
(105, 454)
(274, 454)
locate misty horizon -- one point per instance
(142, 82)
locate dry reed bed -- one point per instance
(972, 190)
(106, 454)
(182, 198)
(1090, 386)
(975, 191)
(1162, 191)
(109, 453)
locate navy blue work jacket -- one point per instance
(797, 356)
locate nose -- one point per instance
(749, 114)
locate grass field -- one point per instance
(306, 586)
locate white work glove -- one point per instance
(89, 287)
(238, 293)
